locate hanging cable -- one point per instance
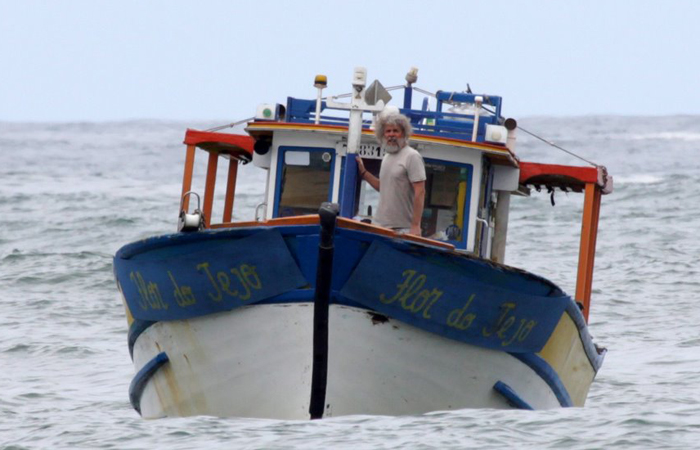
(392, 88)
(350, 94)
(548, 142)
(557, 147)
(424, 92)
(231, 125)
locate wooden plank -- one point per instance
(343, 222)
(230, 189)
(236, 145)
(209, 188)
(351, 224)
(292, 220)
(589, 234)
(187, 176)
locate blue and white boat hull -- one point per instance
(425, 330)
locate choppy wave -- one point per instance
(675, 136)
(63, 351)
(641, 178)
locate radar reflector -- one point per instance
(376, 92)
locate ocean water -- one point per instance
(72, 193)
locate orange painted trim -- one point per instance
(375, 229)
(293, 220)
(339, 129)
(589, 234)
(237, 145)
(462, 143)
(271, 126)
(187, 177)
(230, 189)
(342, 222)
(209, 188)
(349, 224)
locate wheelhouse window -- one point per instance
(447, 194)
(368, 198)
(304, 181)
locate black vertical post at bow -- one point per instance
(324, 274)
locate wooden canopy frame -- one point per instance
(235, 147)
(593, 182)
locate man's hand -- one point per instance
(418, 204)
(360, 165)
(365, 175)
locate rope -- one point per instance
(350, 94)
(422, 91)
(548, 142)
(231, 125)
(557, 147)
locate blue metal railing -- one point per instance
(434, 123)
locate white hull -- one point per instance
(251, 362)
(257, 362)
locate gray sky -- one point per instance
(93, 60)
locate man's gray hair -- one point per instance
(393, 118)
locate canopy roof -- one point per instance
(567, 178)
(235, 146)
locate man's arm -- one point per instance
(365, 175)
(418, 204)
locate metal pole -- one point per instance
(324, 275)
(478, 100)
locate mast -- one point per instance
(357, 106)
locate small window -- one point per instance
(367, 197)
(304, 182)
(448, 188)
(296, 158)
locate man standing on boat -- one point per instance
(401, 182)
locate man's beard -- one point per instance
(393, 145)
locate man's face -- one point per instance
(393, 138)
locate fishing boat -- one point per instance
(309, 309)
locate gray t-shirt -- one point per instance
(398, 171)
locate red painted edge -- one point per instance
(530, 170)
(565, 177)
(221, 142)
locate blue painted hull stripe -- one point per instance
(157, 242)
(545, 371)
(135, 330)
(595, 358)
(511, 396)
(138, 384)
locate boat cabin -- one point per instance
(308, 149)
(308, 161)
(308, 164)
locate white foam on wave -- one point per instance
(669, 136)
(641, 178)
